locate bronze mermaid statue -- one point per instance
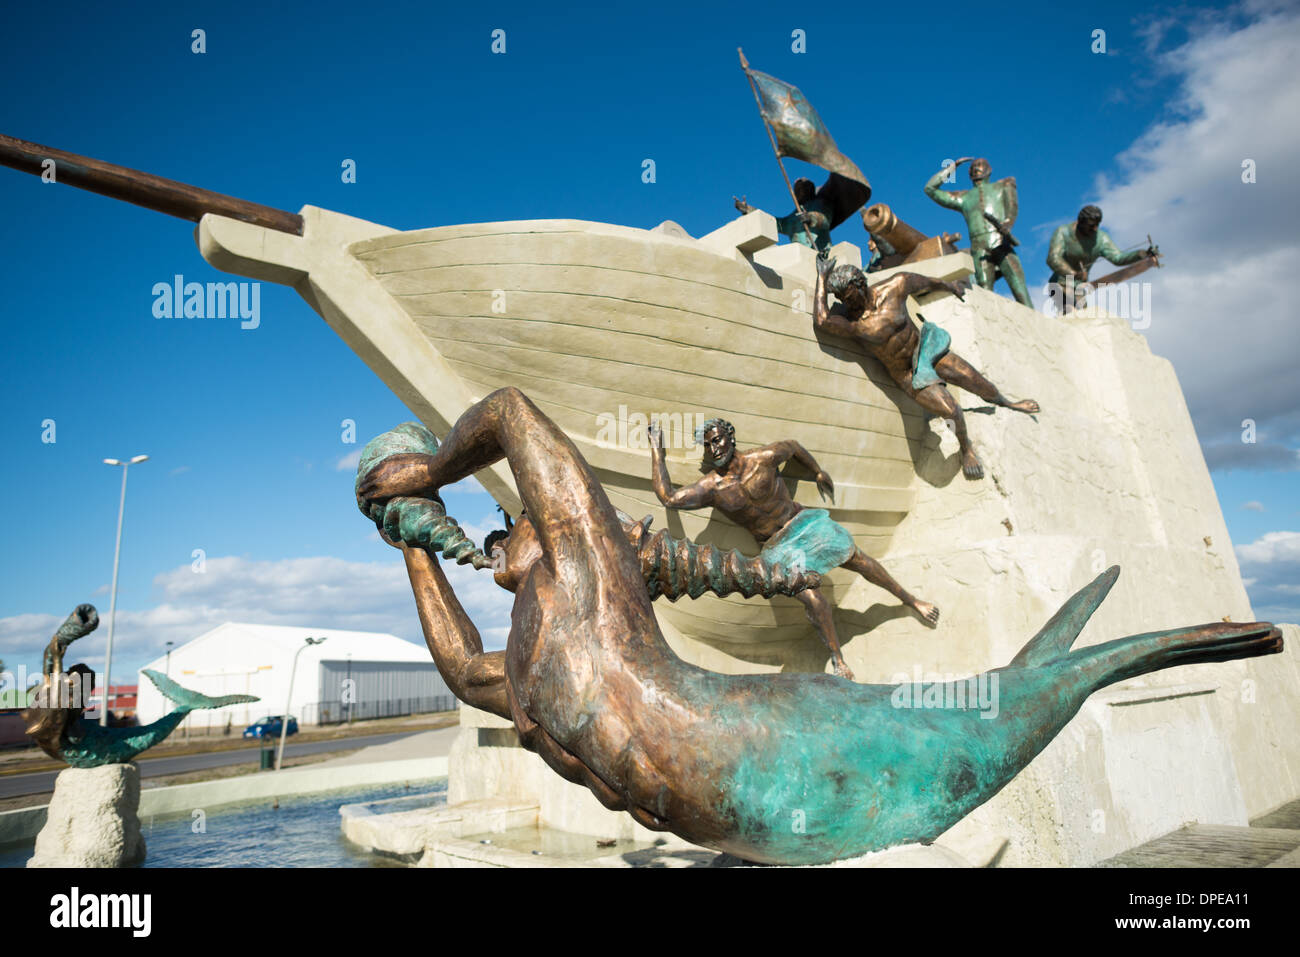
(773, 768)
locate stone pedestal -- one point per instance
(92, 820)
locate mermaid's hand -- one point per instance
(405, 474)
(383, 534)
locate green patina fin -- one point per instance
(192, 700)
(1056, 637)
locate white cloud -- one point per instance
(1253, 506)
(1223, 306)
(349, 462)
(466, 486)
(1270, 567)
(323, 591)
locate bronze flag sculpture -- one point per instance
(795, 129)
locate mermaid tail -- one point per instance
(188, 700)
(869, 766)
(94, 745)
(91, 745)
(1135, 655)
(1138, 655)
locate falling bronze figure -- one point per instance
(747, 488)
(776, 768)
(920, 363)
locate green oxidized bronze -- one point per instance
(777, 768)
(812, 227)
(990, 210)
(55, 716)
(1076, 246)
(817, 211)
(795, 129)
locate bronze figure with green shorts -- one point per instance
(990, 210)
(748, 489)
(1075, 247)
(920, 363)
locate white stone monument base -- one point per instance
(92, 820)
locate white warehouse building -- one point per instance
(351, 675)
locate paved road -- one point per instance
(40, 782)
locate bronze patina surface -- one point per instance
(990, 210)
(1076, 246)
(55, 715)
(895, 242)
(920, 363)
(777, 768)
(746, 486)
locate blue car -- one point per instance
(269, 727)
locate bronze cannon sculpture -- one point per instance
(775, 768)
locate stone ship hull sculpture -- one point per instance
(604, 326)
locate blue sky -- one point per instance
(244, 426)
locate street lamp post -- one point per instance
(112, 602)
(284, 718)
(168, 669)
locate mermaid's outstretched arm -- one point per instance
(561, 494)
(581, 537)
(475, 677)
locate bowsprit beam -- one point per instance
(143, 189)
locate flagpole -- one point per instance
(744, 65)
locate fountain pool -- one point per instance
(302, 832)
